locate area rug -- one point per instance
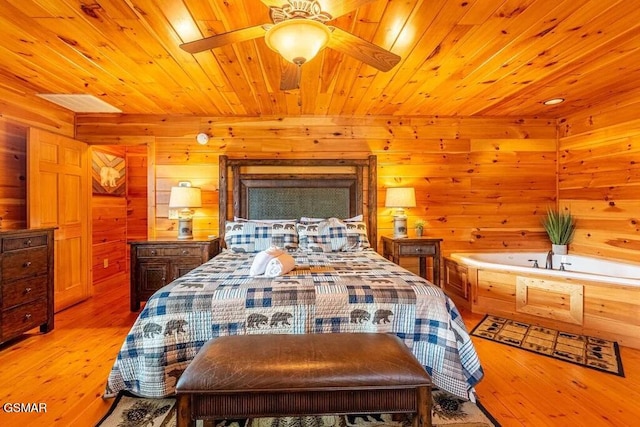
(448, 410)
(591, 352)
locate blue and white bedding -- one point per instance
(326, 293)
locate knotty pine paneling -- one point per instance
(18, 111)
(109, 231)
(481, 184)
(18, 108)
(13, 176)
(599, 178)
(136, 164)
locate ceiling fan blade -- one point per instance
(367, 52)
(335, 8)
(243, 34)
(290, 76)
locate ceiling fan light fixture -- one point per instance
(298, 40)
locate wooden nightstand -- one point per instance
(156, 263)
(422, 247)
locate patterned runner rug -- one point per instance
(595, 353)
(448, 410)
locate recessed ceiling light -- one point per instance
(80, 103)
(553, 101)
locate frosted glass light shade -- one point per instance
(298, 40)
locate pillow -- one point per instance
(352, 219)
(239, 219)
(333, 235)
(255, 236)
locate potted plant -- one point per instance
(560, 227)
(419, 224)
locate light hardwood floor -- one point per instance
(67, 368)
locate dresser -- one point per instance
(421, 247)
(26, 281)
(156, 263)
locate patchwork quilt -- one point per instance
(325, 293)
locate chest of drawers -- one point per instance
(26, 281)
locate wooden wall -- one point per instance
(13, 176)
(481, 184)
(109, 231)
(599, 177)
(117, 220)
(17, 112)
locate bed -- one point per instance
(339, 283)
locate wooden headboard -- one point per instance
(292, 188)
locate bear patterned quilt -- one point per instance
(325, 293)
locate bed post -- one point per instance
(222, 196)
(372, 210)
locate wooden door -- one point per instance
(58, 196)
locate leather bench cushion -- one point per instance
(307, 362)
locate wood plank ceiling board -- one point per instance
(434, 19)
(550, 53)
(478, 58)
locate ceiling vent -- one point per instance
(80, 103)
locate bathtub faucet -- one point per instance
(549, 264)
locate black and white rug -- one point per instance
(448, 410)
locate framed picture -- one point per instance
(107, 174)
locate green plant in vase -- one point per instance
(419, 225)
(560, 227)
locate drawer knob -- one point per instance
(27, 316)
(153, 252)
(27, 243)
(184, 252)
(418, 249)
(27, 290)
(27, 264)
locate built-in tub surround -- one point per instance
(590, 295)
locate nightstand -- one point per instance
(156, 263)
(422, 247)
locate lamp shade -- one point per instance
(298, 40)
(185, 197)
(400, 197)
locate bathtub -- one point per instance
(575, 266)
(591, 296)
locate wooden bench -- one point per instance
(250, 376)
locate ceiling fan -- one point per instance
(299, 31)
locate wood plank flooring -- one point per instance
(67, 369)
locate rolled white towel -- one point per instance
(282, 264)
(262, 259)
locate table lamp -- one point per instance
(400, 198)
(185, 197)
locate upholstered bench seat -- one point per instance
(279, 375)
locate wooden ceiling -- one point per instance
(459, 58)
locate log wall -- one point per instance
(599, 178)
(481, 184)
